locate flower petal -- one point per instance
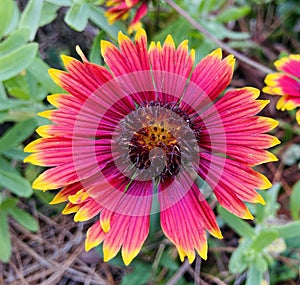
(289, 65)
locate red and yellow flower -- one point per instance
(286, 83)
(120, 10)
(149, 130)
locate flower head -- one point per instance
(120, 10)
(151, 129)
(286, 83)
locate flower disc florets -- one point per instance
(159, 139)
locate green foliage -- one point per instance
(77, 16)
(295, 201)
(254, 253)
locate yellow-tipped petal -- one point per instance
(230, 60)
(158, 45)
(216, 233)
(58, 198)
(56, 75)
(70, 209)
(41, 184)
(122, 38)
(266, 184)
(280, 62)
(105, 45)
(263, 103)
(81, 54)
(247, 215)
(216, 53)
(169, 42)
(108, 253)
(181, 253)
(79, 197)
(105, 225)
(259, 199)
(67, 61)
(275, 141)
(89, 244)
(31, 147)
(46, 114)
(191, 256)
(271, 79)
(184, 45)
(129, 256)
(298, 117)
(141, 33)
(134, 27)
(82, 215)
(203, 251)
(269, 90)
(54, 99)
(33, 159)
(152, 46)
(193, 55)
(43, 131)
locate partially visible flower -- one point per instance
(286, 83)
(151, 129)
(120, 10)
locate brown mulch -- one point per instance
(54, 255)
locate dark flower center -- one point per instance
(156, 136)
(149, 138)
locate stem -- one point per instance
(179, 273)
(221, 44)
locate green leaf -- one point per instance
(260, 264)
(77, 17)
(238, 225)
(289, 230)
(60, 2)
(49, 13)
(39, 70)
(270, 196)
(140, 275)
(95, 54)
(3, 94)
(223, 32)
(17, 134)
(237, 262)
(168, 262)
(5, 242)
(15, 183)
(17, 39)
(208, 6)
(6, 166)
(18, 87)
(8, 204)
(98, 18)
(254, 276)
(16, 61)
(17, 154)
(6, 14)
(295, 201)
(14, 21)
(233, 13)
(179, 30)
(291, 155)
(263, 239)
(24, 219)
(31, 16)
(7, 104)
